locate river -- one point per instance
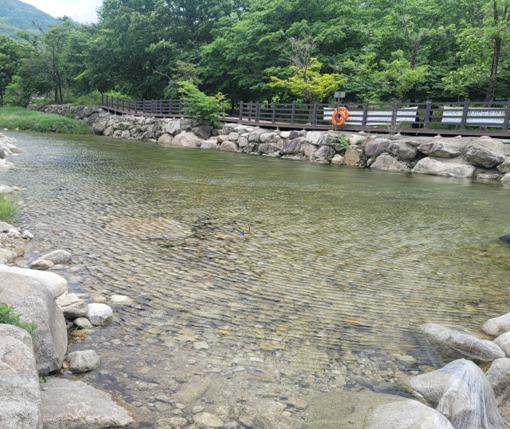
(326, 293)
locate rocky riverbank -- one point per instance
(235, 390)
(482, 158)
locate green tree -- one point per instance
(12, 55)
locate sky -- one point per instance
(79, 10)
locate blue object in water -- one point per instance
(505, 239)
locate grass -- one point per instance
(10, 316)
(7, 206)
(29, 120)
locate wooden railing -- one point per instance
(430, 114)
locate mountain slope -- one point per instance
(16, 15)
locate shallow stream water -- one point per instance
(326, 293)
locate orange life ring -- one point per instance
(339, 117)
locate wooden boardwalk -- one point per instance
(310, 127)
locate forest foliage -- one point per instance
(269, 50)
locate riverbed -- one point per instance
(326, 293)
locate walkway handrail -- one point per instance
(480, 114)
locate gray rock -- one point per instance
(5, 189)
(323, 153)
(376, 147)
(296, 134)
(82, 323)
(209, 144)
(121, 300)
(27, 235)
(99, 314)
(41, 264)
(76, 405)
(242, 141)
(455, 342)
(3, 261)
(482, 156)
(353, 156)
(203, 131)
(487, 174)
(503, 341)
(268, 148)
(228, 146)
(439, 150)
(207, 420)
(439, 167)
(255, 135)
(165, 140)
(20, 398)
(386, 162)
(497, 325)
(291, 146)
(505, 178)
(308, 149)
(275, 421)
(82, 361)
(504, 167)
(402, 150)
(8, 255)
(192, 392)
(188, 124)
(499, 378)
(98, 128)
(58, 257)
(56, 284)
(173, 127)
(187, 140)
(313, 137)
(431, 386)
(407, 414)
(234, 137)
(36, 305)
(72, 306)
(267, 137)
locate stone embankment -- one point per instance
(481, 158)
(43, 298)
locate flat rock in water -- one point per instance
(56, 284)
(83, 361)
(497, 325)
(82, 323)
(406, 414)
(58, 257)
(36, 305)
(207, 420)
(276, 421)
(192, 392)
(120, 300)
(99, 314)
(464, 344)
(76, 405)
(72, 306)
(20, 397)
(41, 264)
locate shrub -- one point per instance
(7, 207)
(204, 107)
(9, 316)
(342, 144)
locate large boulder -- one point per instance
(228, 146)
(505, 167)
(56, 284)
(407, 414)
(98, 128)
(451, 343)
(386, 162)
(267, 148)
(439, 150)
(36, 305)
(203, 131)
(499, 378)
(76, 405)
(376, 147)
(353, 155)
(431, 386)
(402, 150)
(440, 167)
(165, 140)
(503, 341)
(209, 144)
(497, 325)
(291, 146)
(323, 153)
(173, 127)
(20, 397)
(482, 156)
(186, 140)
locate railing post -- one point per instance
(241, 111)
(426, 120)
(464, 115)
(507, 116)
(107, 105)
(364, 118)
(160, 107)
(170, 107)
(136, 107)
(293, 113)
(180, 106)
(394, 115)
(314, 115)
(117, 103)
(257, 111)
(102, 99)
(273, 118)
(123, 104)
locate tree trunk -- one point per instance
(494, 70)
(56, 94)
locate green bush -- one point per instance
(9, 316)
(204, 107)
(18, 117)
(342, 144)
(7, 206)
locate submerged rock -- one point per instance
(192, 392)
(497, 325)
(407, 414)
(466, 345)
(275, 421)
(76, 405)
(121, 300)
(207, 420)
(99, 314)
(83, 361)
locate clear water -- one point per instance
(326, 293)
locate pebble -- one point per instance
(27, 235)
(41, 265)
(98, 299)
(201, 345)
(197, 409)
